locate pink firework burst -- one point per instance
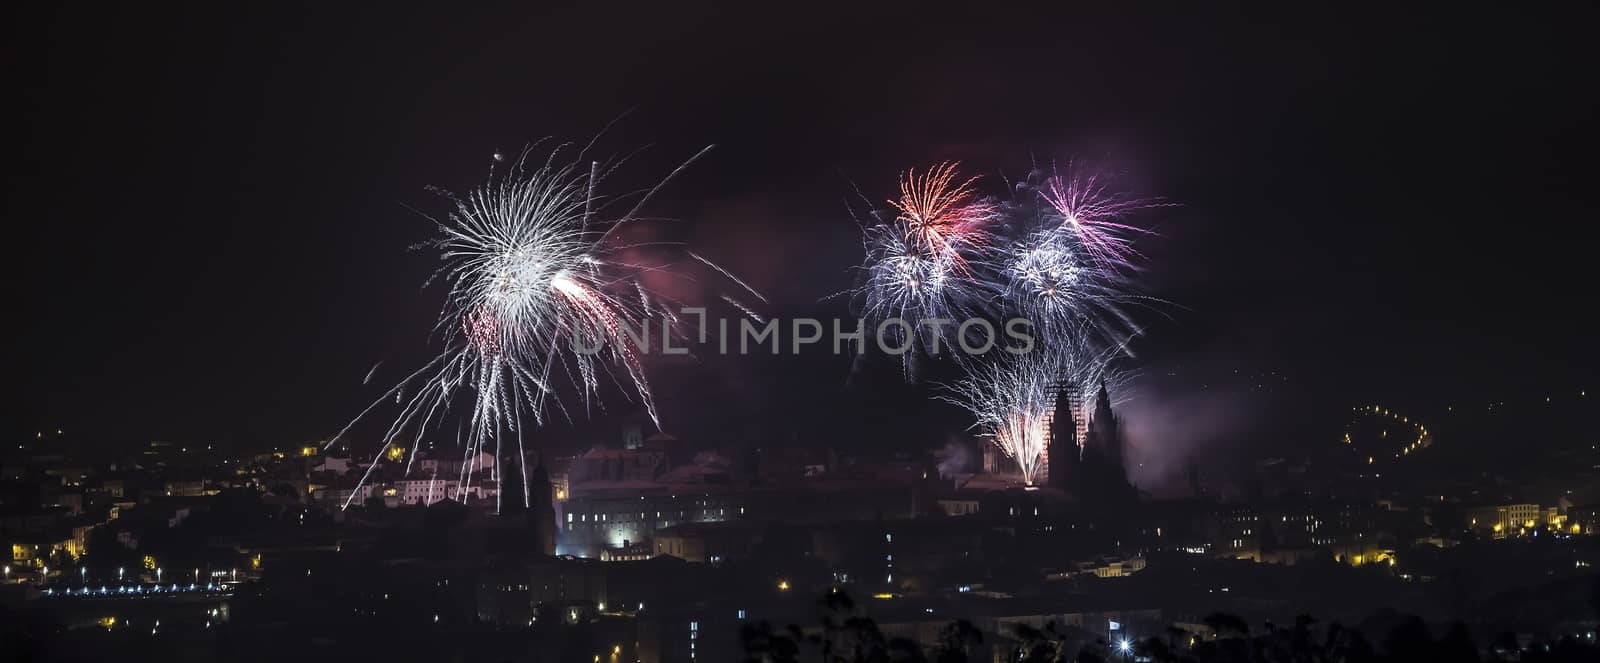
(1094, 213)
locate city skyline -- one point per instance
(873, 333)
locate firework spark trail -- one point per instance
(744, 309)
(529, 268)
(1012, 400)
(602, 320)
(729, 275)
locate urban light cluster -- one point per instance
(1422, 438)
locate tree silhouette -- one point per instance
(1157, 650)
(902, 650)
(1034, 645)
(1225, 624)
(1409, 641)
(862, 639)
(833, 609)
(1457, 646)
(956, 641)
(763, 644)
(848, 637)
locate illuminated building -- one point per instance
(1583, 520)
(712, 543)
(959, 507)
(615, 499)
(1104, 567)
(613, 519)
(451, 465)
(1361, 552)
(633, 552)
(1236, 532)
(424, 491)
(1501, 521)
(189, 487)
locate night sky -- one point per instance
(214, 202)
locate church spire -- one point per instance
(1105, 434)
(1103, 416)
(513, 488)
(1061, 450)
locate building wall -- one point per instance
(590, 524)
(564, 582)
(424, 491)
(1500, 521)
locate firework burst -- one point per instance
(1069, 269)
(941, 215)
(1084, 204)
(921, 266)
(1012, 400)
(1060, 253)
(540, 295)
(1049, 278)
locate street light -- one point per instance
(1124, 647)
(119, 573)
(158, 574)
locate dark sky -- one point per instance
(1375, 205)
